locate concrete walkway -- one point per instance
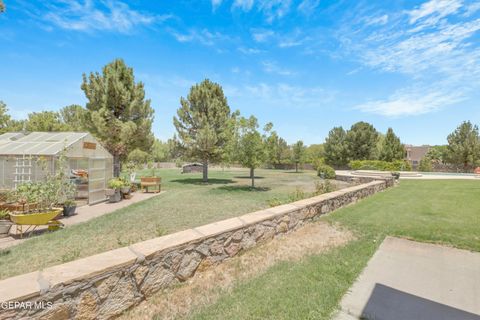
(83, 214)
(412, 280)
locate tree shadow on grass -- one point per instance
(199, 181)
(243, 188)
(248, 177)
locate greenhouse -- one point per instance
(31, 156)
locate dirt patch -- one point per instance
(207, 286)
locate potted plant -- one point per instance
(69, 207)
(5, 223)
(113, 191)
(125, 189)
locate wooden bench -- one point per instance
(146, 182)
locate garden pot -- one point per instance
(5, 227)
(69, 211)
(116, 197)
(109, 192)
(125, 190)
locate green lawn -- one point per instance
(434, 211)
(186, 203)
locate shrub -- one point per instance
(325, 171)
(322, 187)
(115, 183)
(397, 165)
(425, 165)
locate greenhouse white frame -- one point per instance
(20, 153)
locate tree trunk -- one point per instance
(116, 165)
(296, 166)
(252, 175)
(205, 170)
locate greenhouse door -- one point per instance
(96, 180)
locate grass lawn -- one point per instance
(187, 203)
(437, 211)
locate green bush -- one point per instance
(325, 171)
(397, 165)
(425, 165)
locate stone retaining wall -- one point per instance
(104, 285)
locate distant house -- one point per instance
(192, 167)
(414, 154)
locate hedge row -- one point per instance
(397, 165)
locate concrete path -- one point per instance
(83, 214)
(412, 280)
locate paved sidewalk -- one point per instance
(411, 280)
(83, 214)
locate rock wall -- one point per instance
(104, 285)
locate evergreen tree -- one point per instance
(464, 145)
(391, 147)
(204, 124)
(119, 115)
(335, 148)
(298, 153)
(361, 141)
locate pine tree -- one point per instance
(335, 148)
(391, 147)
(204, 124)
(464, 145)
(119, 116)
(361, 141)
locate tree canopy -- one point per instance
(464, 145)
(119, 115)
(73, 116)
(361, 141)
(335, 148)
(391, 148)
(298, 153)
(204, 123)
(45, 121)
(251, 151)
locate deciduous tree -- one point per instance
(298, 153)
(74, 117)
(251, 151)
(119, 115)
(204, 123)
(45, 121)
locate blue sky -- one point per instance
(304, 65)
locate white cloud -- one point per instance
(307, 7)
(109, 16)
(272, 67)
(282, 95)
(413, 101)
(216, 4)
(272, 9)
(261, 35)
(430, 45)
(245, 5)
(377, 20)
(203, 36)
(435, 10)
(250, 50)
